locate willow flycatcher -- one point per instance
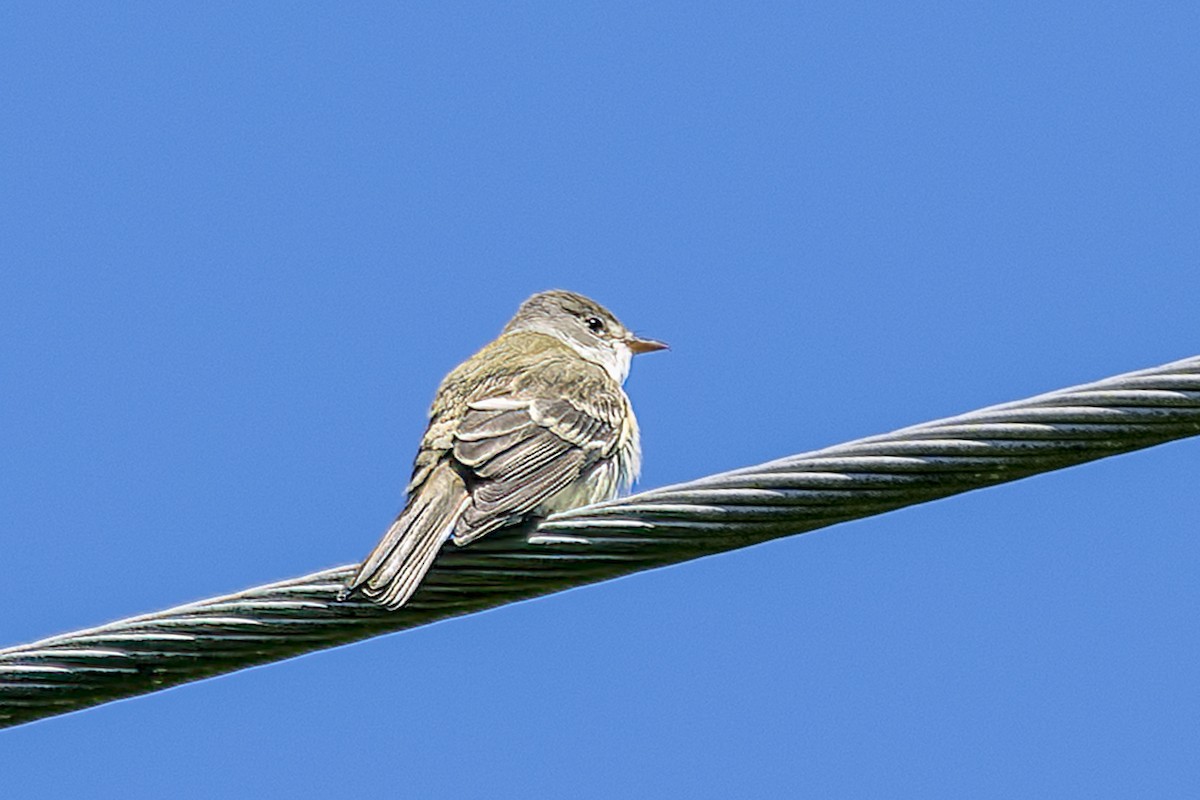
(535, 422)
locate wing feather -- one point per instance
(520, 453)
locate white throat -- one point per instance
(614, 358)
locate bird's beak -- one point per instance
(637, 345)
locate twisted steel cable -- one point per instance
(651, 529)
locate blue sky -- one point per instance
(242, 243)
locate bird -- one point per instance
(535, 422)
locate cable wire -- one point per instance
(652, 529)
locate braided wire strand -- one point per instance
(663, 526)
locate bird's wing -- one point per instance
(518, 452)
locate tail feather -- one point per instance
(397, 592)
(394, 569)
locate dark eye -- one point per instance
(595, 324)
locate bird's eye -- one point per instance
(595, 324)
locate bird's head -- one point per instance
(586, 326)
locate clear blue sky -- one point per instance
(241, 243)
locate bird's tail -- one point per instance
(394, 569)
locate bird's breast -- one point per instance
(604, 480)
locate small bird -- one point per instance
(535, 422)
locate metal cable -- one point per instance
(651, 529)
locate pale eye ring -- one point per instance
(595, 324)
